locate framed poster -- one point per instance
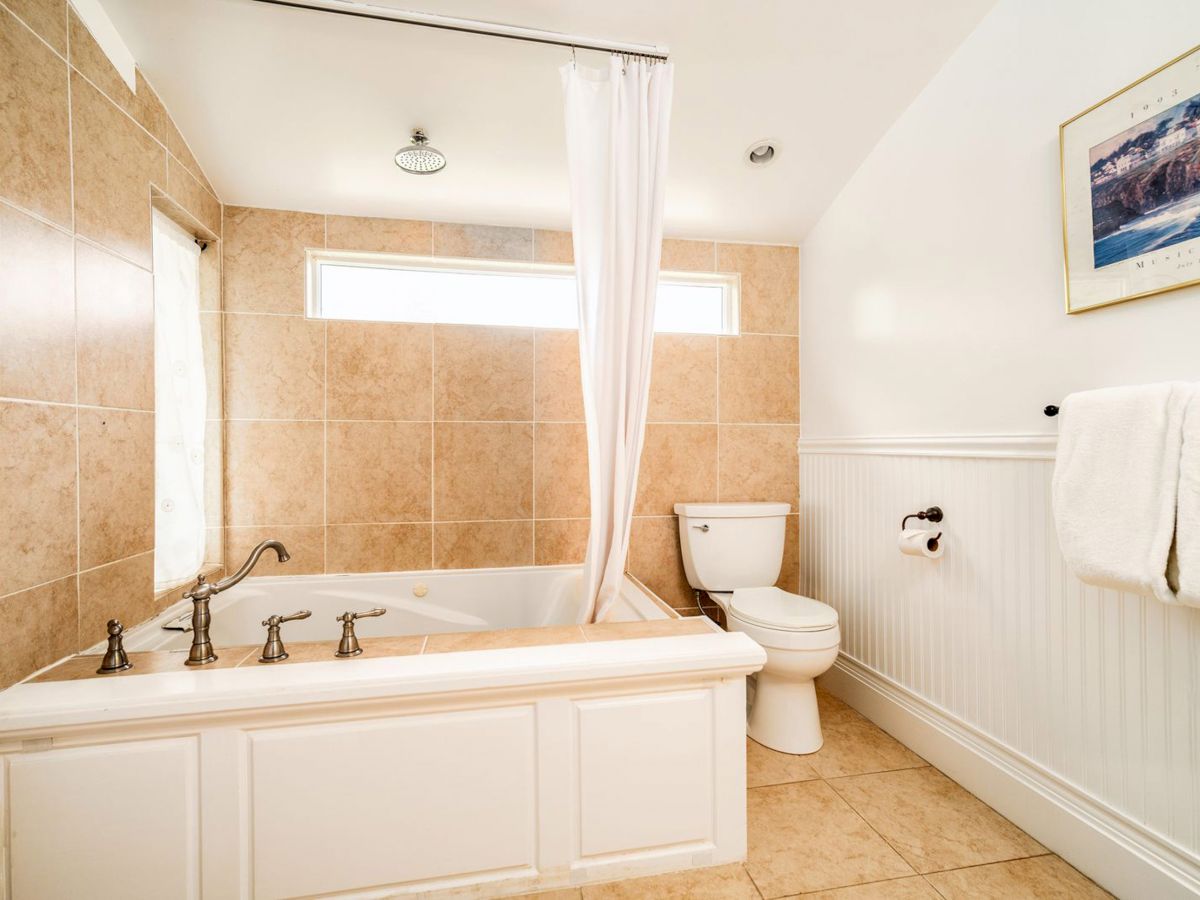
(1131, 189)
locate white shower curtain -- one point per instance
(617, 125)
(180, 401)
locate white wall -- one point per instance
(932, 306)
(932, 289)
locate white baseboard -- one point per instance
(1118, 853)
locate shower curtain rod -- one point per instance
(472, 26)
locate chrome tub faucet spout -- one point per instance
(203, 590)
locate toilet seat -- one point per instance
(771, 607)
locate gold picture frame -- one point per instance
(1122, 240)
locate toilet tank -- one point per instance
(727, 546)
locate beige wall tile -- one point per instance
(276, 473)
(305, 545)
(679, 465)
(933, 822)
(655, 559)
(483, 471)
(37, 307)
(482, 373)
(210, 278)
(35, 141)
(123, 590)
(115, 163)
(787, 857)
(186, 190)
(481, 545)
(377, 370)
(1042, 876)
(263, 258)
(379, 548)
(482, 241)
(561, 488)
(760, 462)
(687, 256)
(559, 396)
(114, 301)
(212, 345)
(214, 472)
(378, 472)
(40, 627)
(274, 367)
(770, 301)
(760, 379)
(559, 542)
(37, 482)
(553, 247)
(48, 18)
(116, 485)
(178, 147)
(360, 233)
(683, 383)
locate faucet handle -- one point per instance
(273, 649)
(348, 646)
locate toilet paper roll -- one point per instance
(922, 542)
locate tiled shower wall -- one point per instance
(80, 157)
(368, 446)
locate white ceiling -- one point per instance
(294, 109)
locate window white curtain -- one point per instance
(617, 127)
(180, 405)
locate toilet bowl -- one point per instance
(733, 552)
(801, 637)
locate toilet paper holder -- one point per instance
(933, 514)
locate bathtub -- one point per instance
(447, 774)
(417, 603)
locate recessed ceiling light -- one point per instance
(760, 153)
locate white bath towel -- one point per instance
(1184, 574)
(1116, 479)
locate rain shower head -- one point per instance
(420, 158)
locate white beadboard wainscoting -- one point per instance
(1073, 710)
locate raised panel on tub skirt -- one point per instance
(645, 771)
(349, 805)
(113, 822)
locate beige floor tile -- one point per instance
(767, 766)
(564, 894)
(1041, 878)
(854, 746)
(804, 837)
(934, 823)
(718, 883)
(915, 888)
(833, 709)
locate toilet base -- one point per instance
(784, 716)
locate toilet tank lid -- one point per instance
(732, 510)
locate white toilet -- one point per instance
(734, 551)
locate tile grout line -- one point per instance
(325, 424)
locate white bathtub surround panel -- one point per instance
(488, 772)
(1116, 480)
(1186, 556)
(1092, 688)
(617, 125)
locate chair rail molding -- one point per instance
(979, 446)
